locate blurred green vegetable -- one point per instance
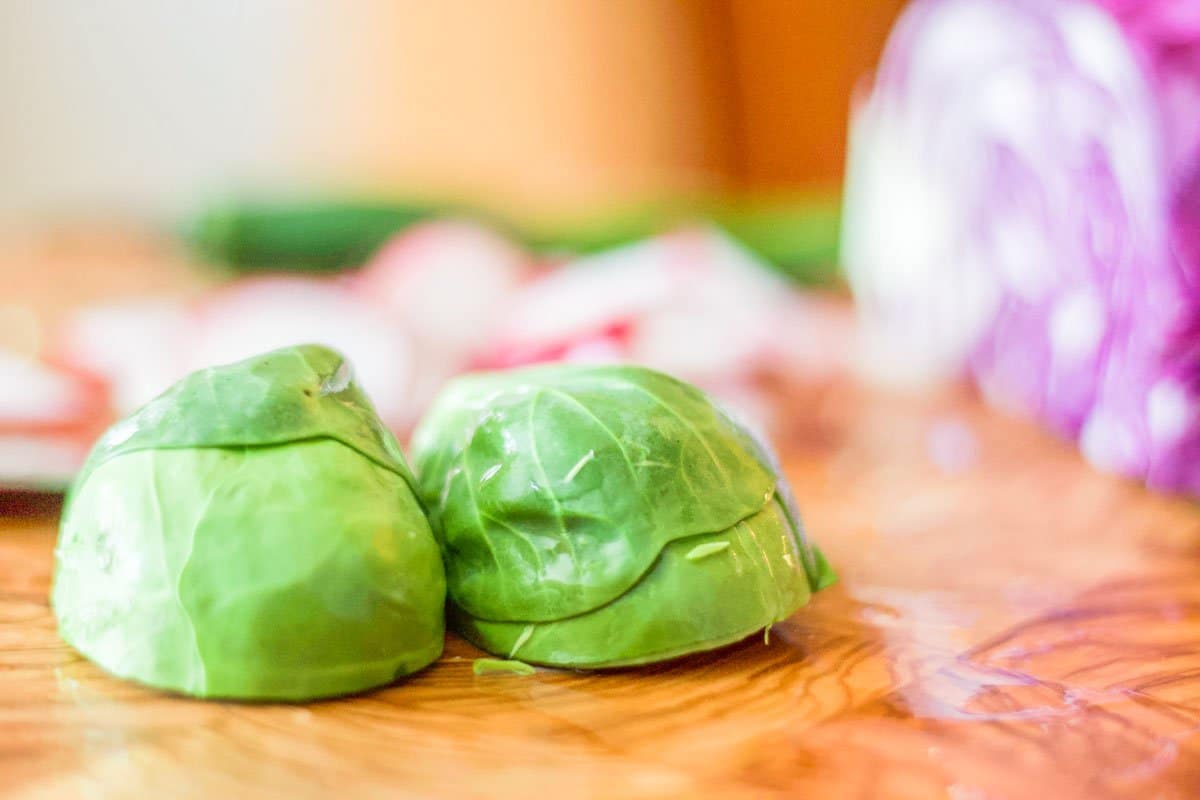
(251, 533)
(316, 236)
(797, 235)
(606, 516)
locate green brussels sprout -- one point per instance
(606, 516)
(251, 533)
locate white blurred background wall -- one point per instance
(140, 107)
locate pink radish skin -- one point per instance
(48, 425)
(450, 296)
(692, 303)
(49, 400)
(445, 283)
(43, 460)
(606, 345)
(137, 348)
(260, 314)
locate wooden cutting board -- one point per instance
(1009, 624)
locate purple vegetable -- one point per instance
(1023, 205)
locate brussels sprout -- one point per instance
(606, 516)
(251, 533)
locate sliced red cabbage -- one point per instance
(1023, 205)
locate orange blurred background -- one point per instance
(538, 106)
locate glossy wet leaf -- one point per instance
(568, 500)
(554, 489)
(681, 606)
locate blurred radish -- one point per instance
(40, 398)
(449, 296)
(44, 462)
(138, 347)
(445, 280)
(606, 345)
(252, 316)
(445, 283)
(692, 303)
(590, 295)
(48, 417)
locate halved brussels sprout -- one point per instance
(251, 533)
(606, 516)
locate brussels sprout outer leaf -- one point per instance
(825, 576)
(681, 606)
(820, 574)
(287, 395)
(554, 489)
(283, 573)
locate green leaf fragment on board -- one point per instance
(495, 666)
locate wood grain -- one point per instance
(1009, 624)
(1020, 628)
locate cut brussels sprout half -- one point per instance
(252, 533)
(606, 516)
